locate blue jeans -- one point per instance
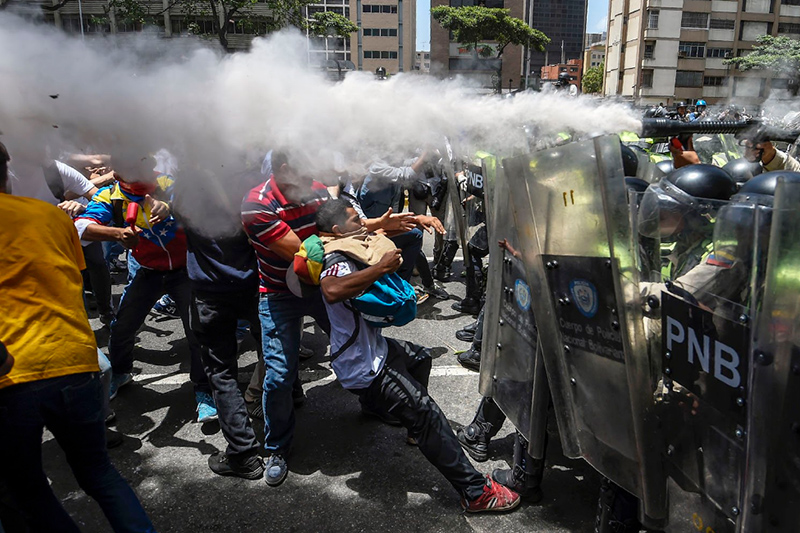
(281, 316)
(410, 243)
(71, 408)
(142, 292)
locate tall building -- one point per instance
(594, 55)
(564, 21)
(388, 36)
(669, 50)
(422, 63)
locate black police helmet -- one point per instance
(766, 183)
(742, 170)
(666, 166)
(637, 184)
(680, 104)
(630, 162)
(703, 181)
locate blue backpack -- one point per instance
(389, 301)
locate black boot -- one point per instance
(467, 333)
(471, 304)
(474, 439)
(441, 271)
(525, 478)
(617, 510)
(471, 359)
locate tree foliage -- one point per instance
(472, 24)
(593, 79)
(328, 23)
(780, 54)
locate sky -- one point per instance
(595, 20)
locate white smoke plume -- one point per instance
(212, 110)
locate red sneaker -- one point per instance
(495, 497)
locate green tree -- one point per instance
(778, 54)
(471, 25)
(593, 79)
(328, 23)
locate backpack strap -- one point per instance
(53, 178)
(353, 337)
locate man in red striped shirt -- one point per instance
(277, 216)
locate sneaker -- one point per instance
(437, 292)
(384, 416)
(516, 480)
(276, 470)
(255, 410)
(473, 439)
(470, 359)
(306, 353)
(165, 306)
(467, 333)
(495, 497)
(422, 296)
(248, 468)
(115, 266)
(206, 409)
(118, 381)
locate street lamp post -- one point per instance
(80, 14)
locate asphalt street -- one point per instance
(347, 472)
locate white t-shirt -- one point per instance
(28, 180)
(358, 365)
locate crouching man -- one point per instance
(387, 374)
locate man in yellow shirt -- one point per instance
(54, 381)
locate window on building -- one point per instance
(647, 78)
(694, 21)
(790, 2)
(713, 81)
(788, 27)
(780, 83)
(688, 78)
(752, 30)
(691, 49)
(652, 19)
(484, 3)
(722, 24)
(649, 49)
(719, 52)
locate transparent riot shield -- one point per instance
(703, 301)
(772, 492)
(572, 216)
(456, 205)
(510, 338)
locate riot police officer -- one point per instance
(742, 170)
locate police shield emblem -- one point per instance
(585, 295)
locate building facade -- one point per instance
(422, 62)
(594, 55)
(386, 38)
(670, 50)
(574, 67)
(564, 21)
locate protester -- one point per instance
(391, 374)
(158, 245)
(277, 216)
(54, 379)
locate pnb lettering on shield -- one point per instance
(705, 351)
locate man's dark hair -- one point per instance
(278, 159)
(4, 159)
(332, 213)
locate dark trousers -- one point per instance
(490, 416)
(477, 340)
(281, 317)
(99, 276)
(214, 317)
(410, 243)
(143, 291)
(401, 389)
(71, 408)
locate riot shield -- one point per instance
(704, 315)
(572, 216)
(510, 338)
(772, 493)
(456, 206)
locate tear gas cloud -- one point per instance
(212, 111)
